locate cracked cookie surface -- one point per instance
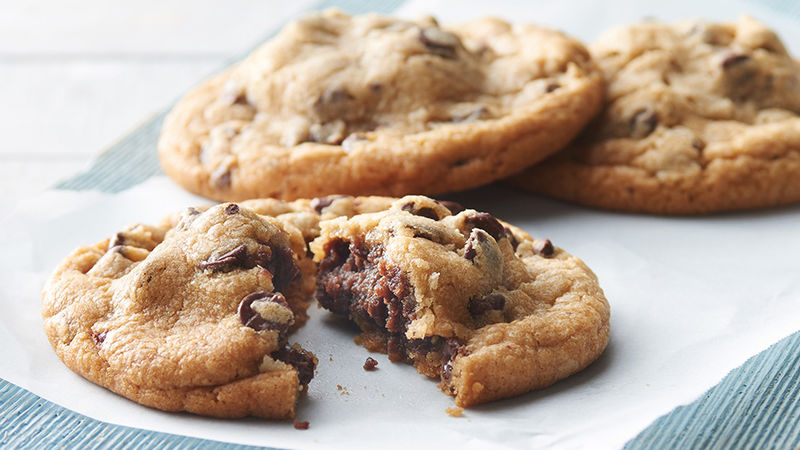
(189, 315)
(462, 296)
(375, 105)
(700, 117)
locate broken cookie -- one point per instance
(465, 298)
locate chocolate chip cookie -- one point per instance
(193, 314)
(463, 297)
(189, 315)
(361, 105)
(700, 117)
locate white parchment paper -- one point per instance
(692, 298)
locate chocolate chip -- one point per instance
(423, 212)
(320, 203)
(300, 425)
(282, 267)
(228, 259)
(455, 347)
(99, 338)
(544, 247)
(375, 87)
(221, 177)
(643, 122)
(743, 78)
(240, 99)
(487, 223)
(129, 252)
(461, 162)
(452, 348)
(492, 302)
(192, 211)
(233, 94)
(511, 238)
(302, 360)
(251, 318)
(698, 144)
(473, 242)
(370, 364)
(551, 87)
(439, 42)
(279, 261)
(447, 373)
(454, 207)
(334, 104)
(733, 59)
(118, 239)
(232, 208)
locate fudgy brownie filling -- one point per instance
(355, 281)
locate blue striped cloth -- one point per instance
(755, 406)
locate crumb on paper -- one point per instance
(455, 411)
(370, 364)
(339, 387)
(300, 425)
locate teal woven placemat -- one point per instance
(755, 406)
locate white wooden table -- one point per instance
(76, 76)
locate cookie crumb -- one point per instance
(339, 387)
(455, 411)
(300, 425)
(370, 364)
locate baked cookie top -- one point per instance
(700, 117)
(462, 296)
(377, 105)
(189, 315)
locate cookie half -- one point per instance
(463, 297)
(700, 117)
(189, 315)
(376, 105)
